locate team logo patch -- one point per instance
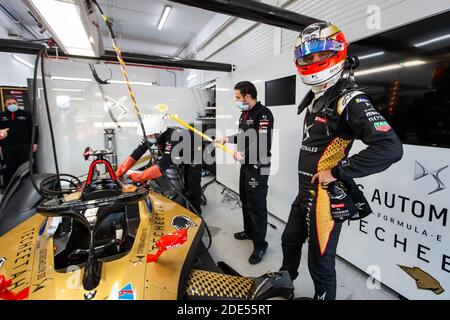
(382, 126)
(321, 119)
(168, 148)
(182, 222)
(127, 293)
(263, 124)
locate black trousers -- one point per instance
(310, 218)
(193, 185)
(253, 193)
(14, 155)
(186, 181)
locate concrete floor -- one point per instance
(223, 221)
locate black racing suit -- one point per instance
(254, 141)
(16, 146)
(329, 132)
(183, 176)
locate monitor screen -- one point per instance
(407, 72)
(280, 92)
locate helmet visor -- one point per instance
(315, 58)
(307, 53)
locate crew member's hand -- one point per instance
(35, 146)
(3, 133)
(135, 177)
(125, 166)
(238, 156)
(222, 141)
(324, 178)
(148, 174)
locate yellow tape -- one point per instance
(221, 146)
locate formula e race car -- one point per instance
(107, 240)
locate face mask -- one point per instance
(152, 140)
(13, 108)
(241, 105)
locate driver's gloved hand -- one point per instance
(125, 166)
(148, 174)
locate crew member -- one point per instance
(15, 126)
(337, 113)
(180, 177)
(254, 140)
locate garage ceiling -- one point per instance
(135, 23)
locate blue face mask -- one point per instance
(152, 140)
(243, 106)
(13, 108)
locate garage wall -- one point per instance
(264, 67)
(13, 73)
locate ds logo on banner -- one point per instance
(420, 172)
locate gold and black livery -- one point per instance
(94, 244)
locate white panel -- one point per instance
(406, 227)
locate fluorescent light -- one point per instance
(222, 89)
(377, 70)
(421, 44)
(78, 99)
(368, 56)
(68, 90)
(22, 61)
(390, 67)
(68, 22)
(414, 63)
(257, 81)
(71, 79)
(131, 82)
(192, 77)
(164, 16)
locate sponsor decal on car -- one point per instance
(127, 293)
(182, 222)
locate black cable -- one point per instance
(44, 85)
(54, 179)
(96, 76)
(33, 129)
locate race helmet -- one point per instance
(320, 53)
(153, 124)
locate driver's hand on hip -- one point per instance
(324, 178)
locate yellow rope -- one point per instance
(124, 71)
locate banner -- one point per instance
(405, 243)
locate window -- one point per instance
(407, 72)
